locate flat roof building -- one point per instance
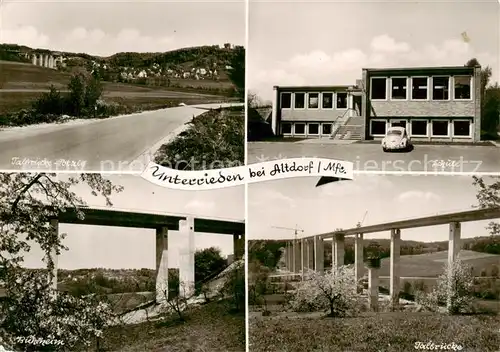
(432, 103)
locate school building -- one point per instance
(432, 103)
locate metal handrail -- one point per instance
(334, 133)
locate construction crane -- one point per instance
(364, 217)
(360, 223)
(295, 230)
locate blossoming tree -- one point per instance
(334, 291)
(454, 288)
(31, 310)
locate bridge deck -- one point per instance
(462, 216)
(107, 217)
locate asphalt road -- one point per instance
(370, 157)
(98, 145)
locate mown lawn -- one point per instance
(212, 327)
(387, 332)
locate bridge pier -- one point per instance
(297, 261)
(394, 269)
(161, 264)
(454, 245)
(303, 256)
(338, 245)
(186, 267)
(319, 254)
(358, 256)
(289, 256)
(310, 254)
(373, 284)
(238, 244)
(284, 256)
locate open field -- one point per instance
(211, 327)
(21, 84)
(432, 264)
(17, 75)
(12, 101)
(388, 332)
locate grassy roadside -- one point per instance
(214, 139)
(211, 327)
(388, 332)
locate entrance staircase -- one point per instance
(352, 129)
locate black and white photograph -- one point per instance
(86, 266)
(377, 263)
(249, 175)
(96, 257)
(104, 86)
(391, 86)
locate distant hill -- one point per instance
(204, 67)
(268, 252)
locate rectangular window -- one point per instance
(327, 101)
(286, 128)
(462, 87)
(341, 100)
(440, 88)
(418, 128)
(378, 127)
(398, 88)
(419, 88)
(313, 128)
(300, 100)
(440, 128)
(327, 128)
(313, 101)
(286, 100)
(461, 128)
(379, 88)
(300, 128)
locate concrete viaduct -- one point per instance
(46, 60)
(308, 252)
(162, 223)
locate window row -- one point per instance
(422, 88)
(425, 128)
(325, 100)
(301, 128)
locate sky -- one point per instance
(329, 42)
(106, 27)
(130, 248)
(296, 202)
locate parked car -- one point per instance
(396, 138)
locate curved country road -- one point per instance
(97, 145)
